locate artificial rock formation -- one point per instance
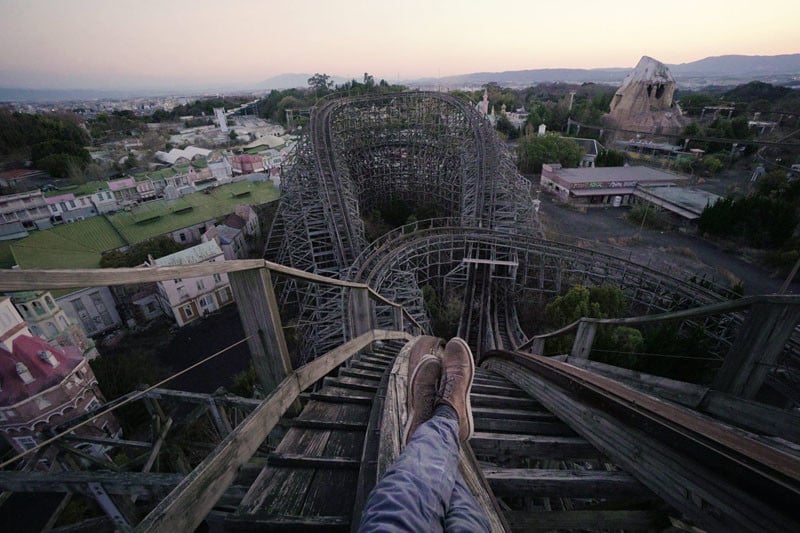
(644, 102)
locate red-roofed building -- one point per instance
(247, 164)
(42, 386)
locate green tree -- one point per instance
(321, 84)
(712, 164)
(533, 151)
(140, 252)
(505, 127)
(609, 158)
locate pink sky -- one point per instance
(161, 43)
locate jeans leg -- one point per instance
(464, 514)
(417, 489)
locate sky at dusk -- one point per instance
(194, 43)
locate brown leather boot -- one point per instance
(423, 345)
(422, 387)
(458, 369)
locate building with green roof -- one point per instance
(82, 243)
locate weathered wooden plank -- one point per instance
(324, 424)
(362, 365)
(758, 345)
(522, 427)
(360, 310)
(753, 415)
(750, 415)
(492, 400)
(18, 280)
(497, 390)
(345, 382)
(670, 389)
(368, 472)
(563, 483)
(345, 444)
(532, 446)
(196, 397)
(284, 495)
(133, 483)
(287, 523)
(306, 461)
(513, 414)
(304, 441)
(361, 374)
(593, 520)
(261, 321)
(331, 492)
(339, 396)
(680, 480)
(480, 488)
(584, 338)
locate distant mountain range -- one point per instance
(711, 70)
(719, 70)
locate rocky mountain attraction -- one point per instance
(644, 102)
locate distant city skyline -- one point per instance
(149, 44)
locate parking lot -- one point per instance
(682, 254)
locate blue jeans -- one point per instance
(423, 491)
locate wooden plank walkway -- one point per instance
(311, 479)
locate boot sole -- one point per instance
(470, 421)
(411, 413)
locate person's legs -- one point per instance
(416, 491)
(464, 514)
(423, 489)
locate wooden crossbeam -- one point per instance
(532, 446)
(305, 461)
(123, 483)
(563, 483)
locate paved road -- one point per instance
(683, 255)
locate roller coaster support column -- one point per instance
(583, 340)
(261, 319)
(757, 347)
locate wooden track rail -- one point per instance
(720, 477)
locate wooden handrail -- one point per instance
(36, 279)
(697, 312)
(189, 503)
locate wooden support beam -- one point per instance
(563, 483)
(196, 397)
(254, 522)
(305, 461)
(599, 520)
(524, 427)
(106, 441)
(324, 424)
(360, 311)
(102, 463)
(260, 316)
(503, 445)
(157, 446)
(584, 338)
(759, 343)
(187, 505)
(149, 485)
